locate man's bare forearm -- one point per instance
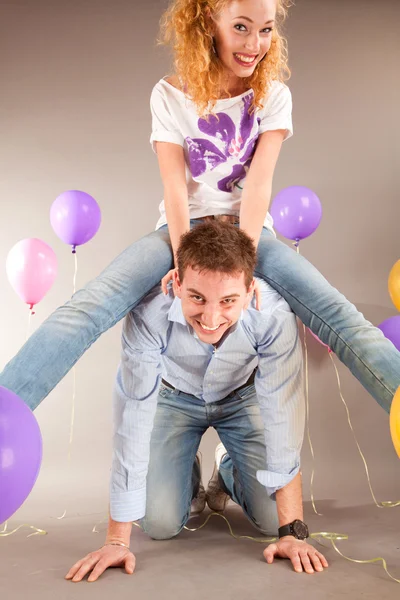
(119, 532)
(289, 501)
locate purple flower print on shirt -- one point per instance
(231, 142)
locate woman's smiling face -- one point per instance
(243, 34)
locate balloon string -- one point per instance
(71, 429)
(28, 331)
(385, 503)
(75, 273)
(332, 537)
(296, 245)
(37, 530)
(308, 422)
(95, 530)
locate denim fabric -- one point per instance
(173, 477)
(61, 340)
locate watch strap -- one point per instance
(285, 530)
(297, 528)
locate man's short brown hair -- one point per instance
(219, 247)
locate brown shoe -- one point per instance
(216, 498)
(199, 501)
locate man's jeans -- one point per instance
(173, 476)
(58, 343)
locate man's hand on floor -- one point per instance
(303, 556)
(100, 560)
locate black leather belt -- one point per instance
(250, 381)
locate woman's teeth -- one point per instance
(246, 59)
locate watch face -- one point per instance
(300, 529)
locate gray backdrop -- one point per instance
(76, 80)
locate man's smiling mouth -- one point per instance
(209, 328)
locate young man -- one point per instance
(204, 357)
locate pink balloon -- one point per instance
(31, 269)
(318, 340)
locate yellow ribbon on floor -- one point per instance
(332, 537)
(38, 531)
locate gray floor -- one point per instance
(205, 564)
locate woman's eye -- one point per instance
(267, 30)
(240, 25)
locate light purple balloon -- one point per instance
(391, 330)
(296, 211)
(75, 217)
(20, 452)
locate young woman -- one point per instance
(218, 126)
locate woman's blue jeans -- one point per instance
(61, 340)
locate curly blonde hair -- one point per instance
(184, 26)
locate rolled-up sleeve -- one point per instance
(134, 403)
(164, 126)
(277, 113)
(280, 392)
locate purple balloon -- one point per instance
(296, 211)
(20, 452)
(391, 330)
(75, 217)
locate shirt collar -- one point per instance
(175, 313)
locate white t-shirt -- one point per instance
(217, 153)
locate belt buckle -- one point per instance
(232, 219)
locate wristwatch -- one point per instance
(296, 528)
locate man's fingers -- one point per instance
(322, 558)
(130, 563)
(269, 553)
(98, 570)
(316, 562)
(305, 559)
(85, 568)
(75, 568)
(296, 562)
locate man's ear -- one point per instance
(249, 294)
(177, 286)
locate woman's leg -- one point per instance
(61, 340)
(372, 359)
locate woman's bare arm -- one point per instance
(257, 189)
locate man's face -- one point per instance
(212, 301)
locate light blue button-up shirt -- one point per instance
(157, 342)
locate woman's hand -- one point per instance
(257, 294)
(100, 560)
(166, 279)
